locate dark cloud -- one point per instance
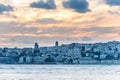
(102, 30)
(113, 2)
(47, 21)
(49, 4)
(5, 8)
(86, 38)
(80, 6)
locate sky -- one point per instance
(24, 22)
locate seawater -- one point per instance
(59, 72)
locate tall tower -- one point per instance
(56, 43)
(36, 48)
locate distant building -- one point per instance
(25, 60)
(39, 59)
(36, 48)
(56, 43)
(6, 60)
(74, 53)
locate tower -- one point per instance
(56, 43)
(36, 48)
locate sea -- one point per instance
(59, 72)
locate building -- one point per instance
(56, 43)
(25, 60)
(36, 48)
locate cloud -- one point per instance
(10, 27)
(31, 40)
(80, 6)
(49, 4)
(47, 21)
(5, 8)
(60, 30)
(86, 38)
(113, 2)
(102, 30)
(114, 12)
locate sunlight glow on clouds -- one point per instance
(23, 22)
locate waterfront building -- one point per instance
(39, 59)
(25, 60)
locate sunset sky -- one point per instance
(24, 22)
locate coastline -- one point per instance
(102, 62)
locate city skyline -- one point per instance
(24, 22)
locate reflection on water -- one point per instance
(59, 72)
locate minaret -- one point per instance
(56, 43)
(36, 48)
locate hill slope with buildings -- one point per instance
(75, 53)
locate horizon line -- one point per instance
(66, 44)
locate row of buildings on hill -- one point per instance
(74, 53)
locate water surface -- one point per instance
(59, 72)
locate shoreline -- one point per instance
(82, 63)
